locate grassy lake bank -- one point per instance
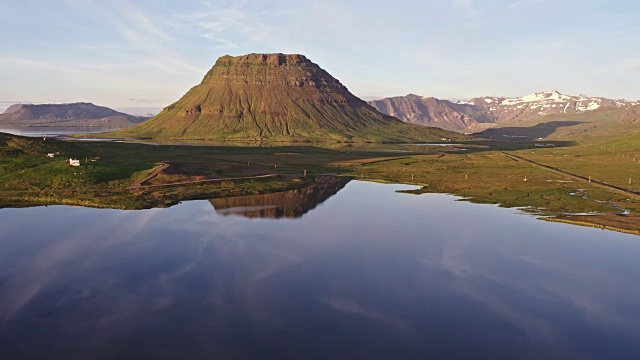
(136, 176)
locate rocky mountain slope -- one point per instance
(76, 114)
(274, 97)
(429, 111)
(484, 112)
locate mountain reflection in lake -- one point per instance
(368, 274)
(287, 204)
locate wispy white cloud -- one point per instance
(59, 66)
(145, 41)
(525, 2)
(103, 83)
(468, 8)
(143, 35)
(542, 45)
(223, 42)
(143, 22)
(229, 25)
(375, 49)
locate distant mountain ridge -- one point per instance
(73, 114)
(429, 111)
(274, 97)
(505, 109)
(484, 112)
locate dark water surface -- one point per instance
(367, 274)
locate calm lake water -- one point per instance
(367, 273)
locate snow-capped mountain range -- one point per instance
(543, 103)
(468, 115)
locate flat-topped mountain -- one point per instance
(483, 112)
(75, 114)
(274, 97)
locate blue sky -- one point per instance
(140, 56)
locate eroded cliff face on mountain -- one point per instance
(286, 204)
(274, 97)
(277, 70)
(429, 111)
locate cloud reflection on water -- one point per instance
(370, 269)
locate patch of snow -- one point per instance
(489, 101)
(534, 97)
(593, 105)
(556, 96)
(553, 96)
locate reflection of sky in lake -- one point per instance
(369, 273)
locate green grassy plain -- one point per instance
(611, 164)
